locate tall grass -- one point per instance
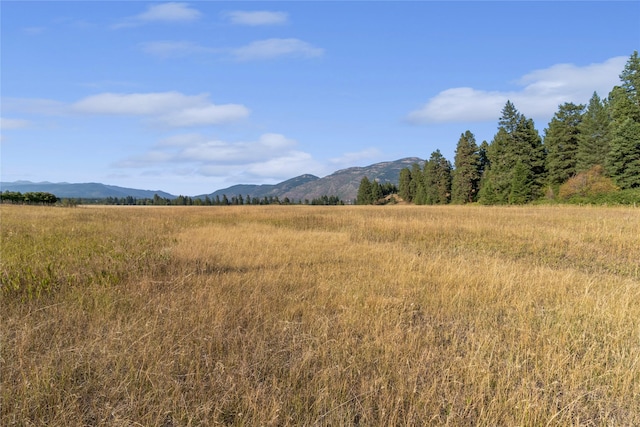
(299, 315)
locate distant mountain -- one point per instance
(343, 183)
(91, 190)
(263, 190)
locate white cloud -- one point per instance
(274, 48)
(169, 108)
(166, 13)
(7, 124)
(271, 156)
(269, 145)
(34, 106)
(167, 49)
(205, 115)
(258, 17)
(137, 103)
(539, 96)
(292, 164)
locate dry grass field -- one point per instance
(320, 316)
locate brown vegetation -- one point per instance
(300, 315)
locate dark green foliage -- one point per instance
(437, 179)
(520, 192)
(517, 140)
(561, 142)
(416, 187)
(404, 185)
(365, 195)
(372, 192)
(510, 118)
(498, 175)
(623, 162)
(593, 135)
(483, 159)
(630, 78)
(466, 175)
(327, 201)
(33, 198)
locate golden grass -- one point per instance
(300, 315)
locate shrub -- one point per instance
(588, 184)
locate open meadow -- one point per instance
(320, 316)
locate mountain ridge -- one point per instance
(343, 183)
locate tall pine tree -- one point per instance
(561, 142)
(623, 160)
(437, 179)
(466, 175)
(404, 185)
(365, 194)
(593, 135)
(517, 140)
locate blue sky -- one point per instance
(191, 97)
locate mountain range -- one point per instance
(343, 183)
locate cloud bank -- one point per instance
(172, 109)
(540, 94)
(271, 156)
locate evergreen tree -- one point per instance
(517, 140)
(623, 160)
(487, 194)
(520, 189)
(561, 142)
(404, 185)
(417, 185)
(376, 191)
(533, 155)
(365, 195)
(630, 78)
(437, 179)
(483, 160)
(466, 175)
(593, 135)
(498, 175)
(510, 118)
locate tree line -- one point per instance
(587, 150)
(208, 201)
(31, 198)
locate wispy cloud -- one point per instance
(540, 93)
(271, 156)
(163, 13)
(33, 31)
(172, 49)
(168, 108)
(171, 109)
(256, 18)
(38, 106)
(8, 124)
(276, 48)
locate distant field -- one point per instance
(328, 316)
